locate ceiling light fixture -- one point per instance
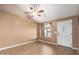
(34, 13)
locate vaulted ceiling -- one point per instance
(52, 11)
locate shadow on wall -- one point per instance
(14, 30)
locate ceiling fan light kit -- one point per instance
(35, 12)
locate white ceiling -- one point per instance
(53, 11)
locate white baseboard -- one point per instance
(75, 48)
(47, 42)
(57, 44)
(17, 45)
(31, 42)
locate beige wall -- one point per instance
(14, 9)
(15, 30)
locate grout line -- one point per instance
(17, 45)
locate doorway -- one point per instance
(64, 33)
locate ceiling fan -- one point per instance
(34, 11)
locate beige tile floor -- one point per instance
(39, 48)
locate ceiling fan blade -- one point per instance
(38, 14)
(31, 8)
(29, 17)
(27, 12)
(41, 11)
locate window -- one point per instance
(47, 30)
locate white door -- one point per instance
(64, 31)
(60, 33)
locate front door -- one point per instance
(64, 33)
